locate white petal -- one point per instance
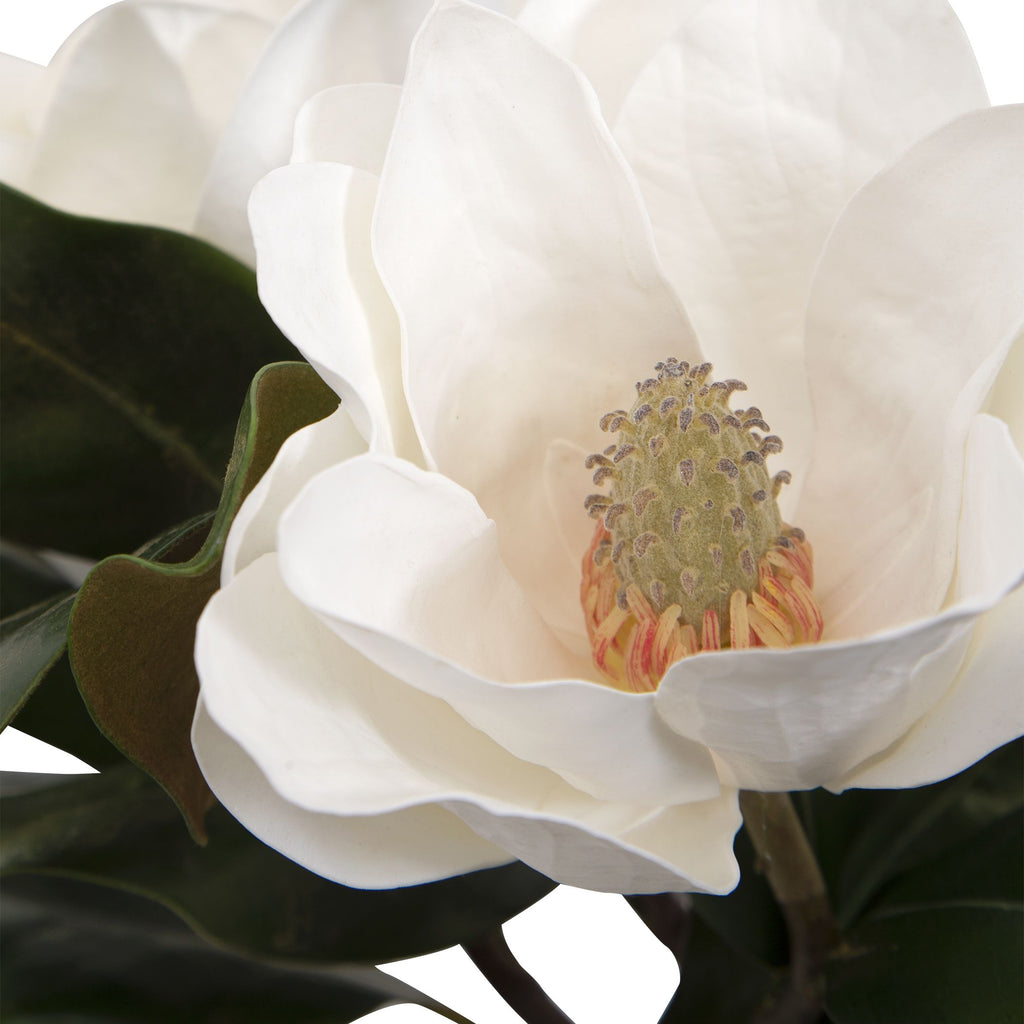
(1006, 400)
(809, 715)
(749, 131)
(303, 455)
(916, 302)
(984, 708)
(338, 739)
(406, 847)
(324, 43)
(609, 40)
(349, 124)
(403, 564)
(19, 82)
(137, 99)
(512, 238)
(311, 227)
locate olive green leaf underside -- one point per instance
(126, 350)
(132, 627)
(118, 829)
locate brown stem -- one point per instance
(496, 963)
(786, 860)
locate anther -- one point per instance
(688, 581)
(716, 554)
(686, 471)
(643, 542)
(642, 413)
(656, 445)
(613, 513)
(728, 467)
(668, 404)
(756, 421)
(658, 593)
(755, 457)
(795, 531)
(602, 474)
(592, 501)
(678, 516)
(700, 372)
(617, 551)
(747, 563)
(710, 422)
(771, 445)
(739, 519)
(731, 421)
(596, 460)
(622, 452)
(782, 477)
(685, 417)
(642, 499)
(602, 552)
(759, 496)
(606, 421)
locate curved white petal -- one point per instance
(918, 297)
(349, 124)
(609, 40)
(808, 716)
(511, 236)
(304, 454)
(749, 131)
(984, 707)
(135, 101)
(20, 80)
(410, 846)
(311, 228)
(322, 44)
(1006, 400)
(360, 758)
(404, 565)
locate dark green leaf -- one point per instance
(125, 350)
(120, 830)
(133, 625)
(864, 839)
(100, 955)
(30, 644)
(27, 580)
(934, 966)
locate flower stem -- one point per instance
(786, 860)
(510, 980)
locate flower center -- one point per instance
(690, 553)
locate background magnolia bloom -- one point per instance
(396, 679)
(167, 112)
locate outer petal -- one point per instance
(349, 124)
(985, 706)
(136, 99)
(918, 297)
(338, 738)
(303, 455)
(511, 236)
(609, 40)
(311, 227)
(20, 80)
(750, 130)
(395, 848)
(404, 565)
(810, 715)
(1006, 399)
(324, 43)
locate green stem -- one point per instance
(786, 860)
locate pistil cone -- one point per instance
(689, 553)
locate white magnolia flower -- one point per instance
(397, 684)
(167, 112)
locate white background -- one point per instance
(588, 950)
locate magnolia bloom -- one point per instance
(397, 681)
(167, 112)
